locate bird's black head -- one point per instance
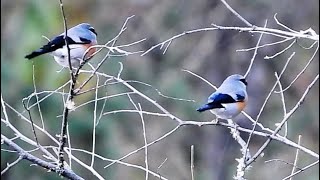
(236, 77)
(92, 30)
(244, 81)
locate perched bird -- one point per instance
(79, 38)
(229, 99)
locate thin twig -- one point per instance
(303, 69)
(203, 79)
(56, 91)
(273, 32)
(143, 147)
(265, 45)
(258, 133)
(145, 141)
(282, 51)
(283, 161)
(138, 108)
(282, 25)
(69, 145)
(102, 98)
(159, 167)
(255, 52)
(10, 165)
(94, 123)
(135, 111)
(296, 158)
(301, 170)
(285, 119)
(177, 36)
(31, 120)
(48, 155)
(266, 100)
(111, 160)
(123, 28)
(283, 104)
(192, 162)
(157, 90)
(237, 14)
(37, 98)
(252, 29)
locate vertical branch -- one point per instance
(68, 104)
(37, 98)
(255, 51)
(267, 98)
(283, 104)
(28, 108)
(159, 167)
(70, 149)
(94, 122)
(145, 141)
(144, 132)
(65, 37)
(246, 155)
(31, 120)
(68, 137)
(192, 162)
(296, 158)
(63, 135)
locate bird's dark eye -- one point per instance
(244, 81)
(92, 30)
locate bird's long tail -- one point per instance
(204, 108)
(37, 53)
(209, 106)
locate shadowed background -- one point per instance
(210, 54)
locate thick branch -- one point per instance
(68, 173)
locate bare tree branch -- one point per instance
(68, 173)
(301, 170)
(11, 165)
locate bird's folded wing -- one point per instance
(56, 43)
(220, 98)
